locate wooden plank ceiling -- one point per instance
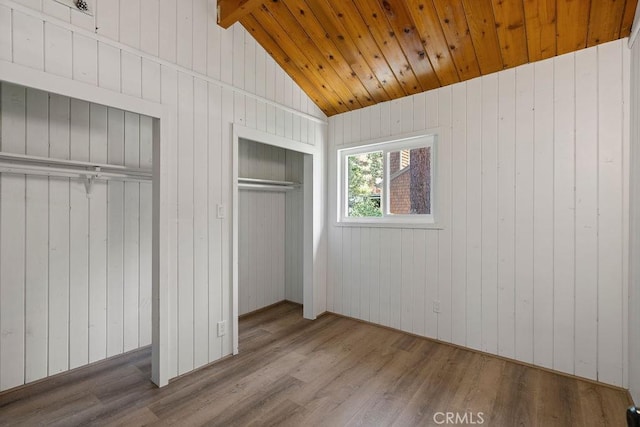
(348, 54)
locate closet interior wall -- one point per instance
(75, 270)
(269, 229)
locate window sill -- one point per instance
(382, 224)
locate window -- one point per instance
(389, 182)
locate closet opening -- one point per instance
(272, 265)
(76, 231)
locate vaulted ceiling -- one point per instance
(348, 54)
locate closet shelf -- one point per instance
(266, 184)
(36, 165)
(86, 171)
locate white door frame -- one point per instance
(309, 222)
(163, 127)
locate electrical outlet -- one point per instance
(436, 306)
(221, 211)
(222, 328)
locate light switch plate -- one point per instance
(221, 212)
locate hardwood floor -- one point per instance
(333, 371)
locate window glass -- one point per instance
(364, 190)
(410, 181)
(389, 182)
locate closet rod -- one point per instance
(97, 173)
(37, 160)
(265, 187)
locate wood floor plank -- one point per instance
(331, 371)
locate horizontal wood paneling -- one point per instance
(267, 100)
(80, 287)
(529, 264)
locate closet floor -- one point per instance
(333, 371)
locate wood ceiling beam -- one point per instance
(231, 11)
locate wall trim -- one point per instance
(102, 39)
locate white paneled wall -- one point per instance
(531, 261)
(294, 214)
(75, 271)
(213, 78)
(634, 258)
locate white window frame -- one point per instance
(386, 147)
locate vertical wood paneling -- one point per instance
(564, 214)
(12, 242)
(66, 234)
(189, 37)
(37, 241)
(444, 287)
(489, 214)
(131, 244)
(610, 199)
(459, 216)
(543, 163)
(185, 223)
(5, 36)
(474, 214)
(506, 212)
(59, 237)
(28, 40)
(201, 252)
(98, 238)
(129, 21)
(131, 74)
(58, 51)
(85, 59)
(524, 164)
(149, 26)
(532, 162)
(407, 277)
(634, 223)
(79, 240)
(115, 236)
(109, 67)
(215, 224)
(108, 19)
(586, 217)
(144, 310)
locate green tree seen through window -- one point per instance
(365, 183)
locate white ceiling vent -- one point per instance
(84, 6)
